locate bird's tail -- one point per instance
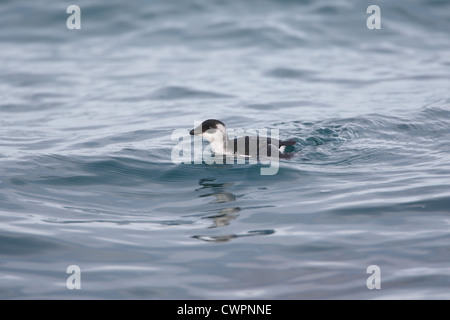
(289, 142)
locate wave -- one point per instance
(176, 92)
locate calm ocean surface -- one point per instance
(86, 176)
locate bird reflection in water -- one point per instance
(223, 216)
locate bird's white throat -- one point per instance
(218, 139)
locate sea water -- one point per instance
(87, 179)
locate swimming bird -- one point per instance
(214, 131)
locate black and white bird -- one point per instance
(214, 131)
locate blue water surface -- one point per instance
(86, 170)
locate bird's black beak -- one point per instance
(192, 132)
